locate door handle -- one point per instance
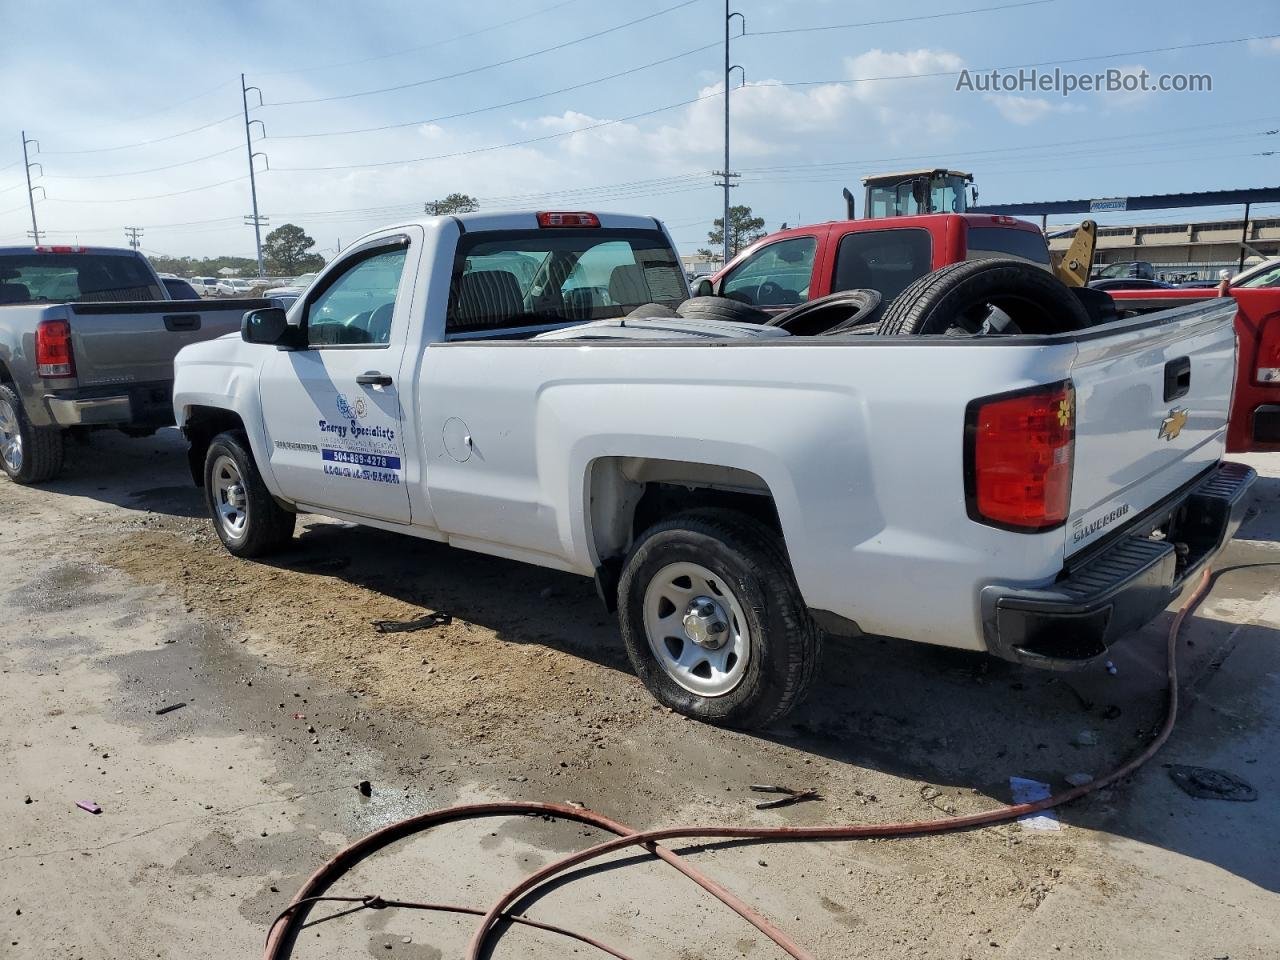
(1177, 378)
(374, 379)
(180, 322)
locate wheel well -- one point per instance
(201, 426)
(630, 494)
(5, 375)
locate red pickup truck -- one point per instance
(792, 266)
(1255, 411)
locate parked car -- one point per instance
(87, 340)
(205, 286)
(888, 255)
(1125, 269)
(1130, 283)
(179, 289)
(735, 490)
(234, 287)
(293, 289)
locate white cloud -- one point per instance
(1025, 111)
(1270, 45)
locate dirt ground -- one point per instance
(117, 599)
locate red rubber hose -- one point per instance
(281, 935)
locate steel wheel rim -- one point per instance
(683, 603)
(230, 500)
(10, 437)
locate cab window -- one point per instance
(776, 275)
(987, 242)
(356, 307)
(884, 260)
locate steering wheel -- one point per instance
(770, 294)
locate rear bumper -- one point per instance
(1071, 623)
(138, 405)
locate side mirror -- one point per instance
(268, 325)
(702, 287)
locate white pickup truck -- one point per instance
(737, 491)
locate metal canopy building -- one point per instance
(1158, 201)
(1199, 247)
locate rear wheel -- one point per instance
(28, 454)
(713, 621)
(247, 518)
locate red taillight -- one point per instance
(1019, 450)
(548, 219)
(53, 350)
(1268, 366)
(61, 249)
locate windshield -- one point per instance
(526, 278)
(1268, 275)
(75, 278)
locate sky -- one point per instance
(602, 105)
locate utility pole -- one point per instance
(134, 233)
(727, 178)
(255, 219)
(31, 193)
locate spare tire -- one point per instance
(985, 296)
(720, 308)
(653, 310)
(834, 313)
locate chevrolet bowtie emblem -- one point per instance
(1172, 425)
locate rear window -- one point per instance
(74, 278)
(988, 242)
(532, 278)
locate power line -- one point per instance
(135, 236)
(135, 173)
(145, 143)
(157, 196)
(427, 46)
(915, 19)
(1017, 66)
(488, 66)
(497, 106)
(496, 146)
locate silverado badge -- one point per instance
(1172, 425)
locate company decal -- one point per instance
(1083, 531)
(355, 450)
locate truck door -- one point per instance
(333, 411)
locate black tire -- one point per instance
(266, 526)
(720, 308)
(652, 310)
(749, 560)
(834, 313)
(958, 299)
(37, 454)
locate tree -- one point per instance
(453, 203)
(287, 251)
(744, 230)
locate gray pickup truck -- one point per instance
(87, 341)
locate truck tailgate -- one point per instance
(1153, 396)
(123, 343)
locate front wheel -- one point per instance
(247, 518)
(713, 621)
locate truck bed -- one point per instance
(123, 357)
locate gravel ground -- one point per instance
(118, 599)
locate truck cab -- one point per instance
(804, 263)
